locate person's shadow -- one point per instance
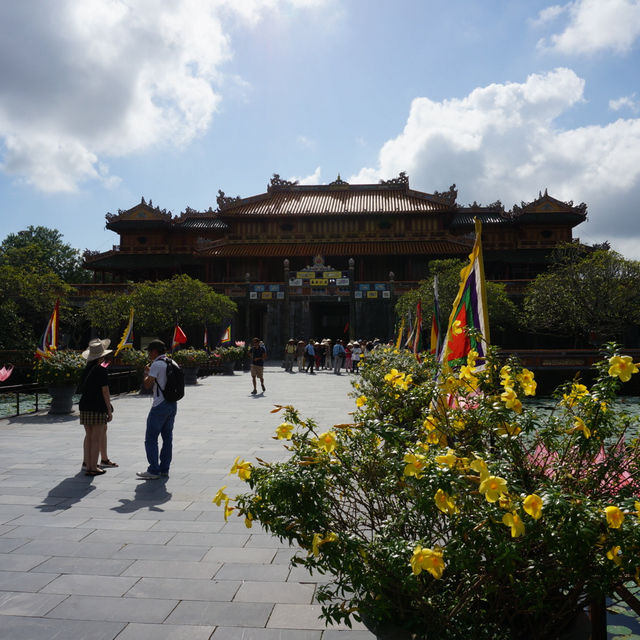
(67, 493)
(148, 495)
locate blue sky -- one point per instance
(105, 101)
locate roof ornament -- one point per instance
(402, 180)
(448, 196)
(278, 183)
(224, 201)
(338, 182)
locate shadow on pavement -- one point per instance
(67, 492)
(149, 494)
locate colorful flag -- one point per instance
(226, 336)
(49, 340)
(400, 332)
(417, 346)
(179, 337)
(346, 328)
(126, 342)
(205, 340)
(469, 310)
(436, 326)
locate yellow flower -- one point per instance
(480, 466)
(327, 441)
(492, 487)
(242, 468)
(318, 541)
(466, 373)
(471, 358)
(227, 509)
(514, 521)
(430, 423)
(525, 378)
(636, 504)
(510, 399)
(445, 503)
(416, 463)
(393, 375)
(220, 496)
(362, 400)
(614, 555)
(577, 391)
(427, 560)
(506, 429)
(437, 437)
(448, 460)
(615, 517)
(284, 431)
(248, 521)
(579, 425)
(533, 506)
(622, 367)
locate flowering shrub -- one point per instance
(134, 358)
(60, 369)
(228, 354)
(448, 509)
(190, 357)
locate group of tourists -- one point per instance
(96, 411)
(331, 355)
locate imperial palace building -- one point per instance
(329, 260)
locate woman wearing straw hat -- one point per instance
(95, 405)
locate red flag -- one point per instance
(346, 328)
(179, 337)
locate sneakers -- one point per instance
(164, 474)
(145, 475)
(253, 393)
(263, 388)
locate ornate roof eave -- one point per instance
(559, 206)
(148, 211)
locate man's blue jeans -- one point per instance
(160, 423)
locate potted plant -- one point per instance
(60, 372)
(225, 358)
(190, 360)
(447, 509)
(137, 360)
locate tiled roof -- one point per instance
(203, 222)
(466, 218)
(328, 200)
(291, 249)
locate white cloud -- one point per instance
(313, 178)
(82, 81)
(305, 141)
(548, 15)
(625, 102)
(502, 142)
(596, 25)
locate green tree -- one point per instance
(42, 248)
(591, 298)
(158, 305)
(502, 311)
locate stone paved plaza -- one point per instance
(117, 557)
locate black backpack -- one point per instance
(174, 389)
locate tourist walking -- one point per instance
(347, 358)
(327, 357)
(289, 355)
(338, 356)
(258, 356)
(300, 355)
(310, 355)
(356, 352)
(161, 416)
(95, 404)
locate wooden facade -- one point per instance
(307, 261)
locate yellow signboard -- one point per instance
(333, 274)
(372, 294)
(304, 274)
(319, 282)
(267, 295)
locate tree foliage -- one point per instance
(502, 311)
(42, 249)
(159, 305)
(593, 298)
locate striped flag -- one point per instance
(469, 310)
(226, 336)
(205, 340)
(49, 340)
(436, 326)
(126, 342)
(417, 345)
(400, 332)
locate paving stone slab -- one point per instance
(186, 589)
(235, 633)
(22, 628)
(172, 569)
(20, 561)
(20, 581)
(112, 609)
(302, 616)
(14, 603)
(138, 631)
(287, 592)
(228, 614)
(241, 555)
(90, 585)
(254, 572)
(86, 566)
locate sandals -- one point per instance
(95, 473)
(108, 463)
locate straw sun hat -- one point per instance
(97, 349)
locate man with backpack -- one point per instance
(164, 375)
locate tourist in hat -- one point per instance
(161, 417)
(95, 404)
(258, 356)
(289, 355)
(300, 355)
